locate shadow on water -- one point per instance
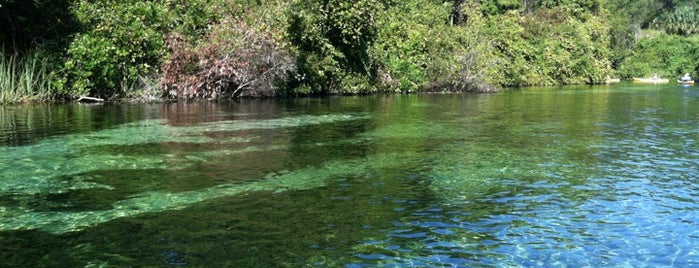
(256, 230)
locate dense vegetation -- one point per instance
(169, 49)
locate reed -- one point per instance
(24, 79)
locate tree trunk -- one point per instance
(456, 16)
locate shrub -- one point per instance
(332, 40)
(684, 20)
(236, 60)
(122, 41)
(667, 55)
(549, 47)
(418, 49)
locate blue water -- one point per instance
(542, 177)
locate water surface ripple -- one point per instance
(542, 177)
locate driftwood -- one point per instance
(91, 99)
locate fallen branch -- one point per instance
(83, 98)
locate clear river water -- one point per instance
(604, 176)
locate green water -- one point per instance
(575, 176)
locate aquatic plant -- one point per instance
(24, 78)
(69, 164)
(14, 218)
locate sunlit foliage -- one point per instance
(683, 20)
(668, 55)
(122, 41)
(419, 49)
(332, 41)
(24, 78)
(225, 49)
(550, 46)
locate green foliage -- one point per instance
(123, 40)
(622, 39)
(332, 40)
(418, 49)
(683, 20)
(261, 48)
(589, 5)
(403, 45)
(499, 7)
(667, 55)
(646, 14)
(243, 55)
(552, 46)
(24, 79)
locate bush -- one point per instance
(418, 49)
(667, 55)
(122, 41)
(236, 60)
(227, 49)
(332, 40)
(683, 20)
(550, 47)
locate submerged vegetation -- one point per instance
(227, 49)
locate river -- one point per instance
(603, 176)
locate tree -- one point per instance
(332, 38)
(530, 5)
(26, 25)
(684, 20)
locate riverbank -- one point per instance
(134, 50)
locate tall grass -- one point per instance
(24, 79)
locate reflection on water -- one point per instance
(602, 176)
